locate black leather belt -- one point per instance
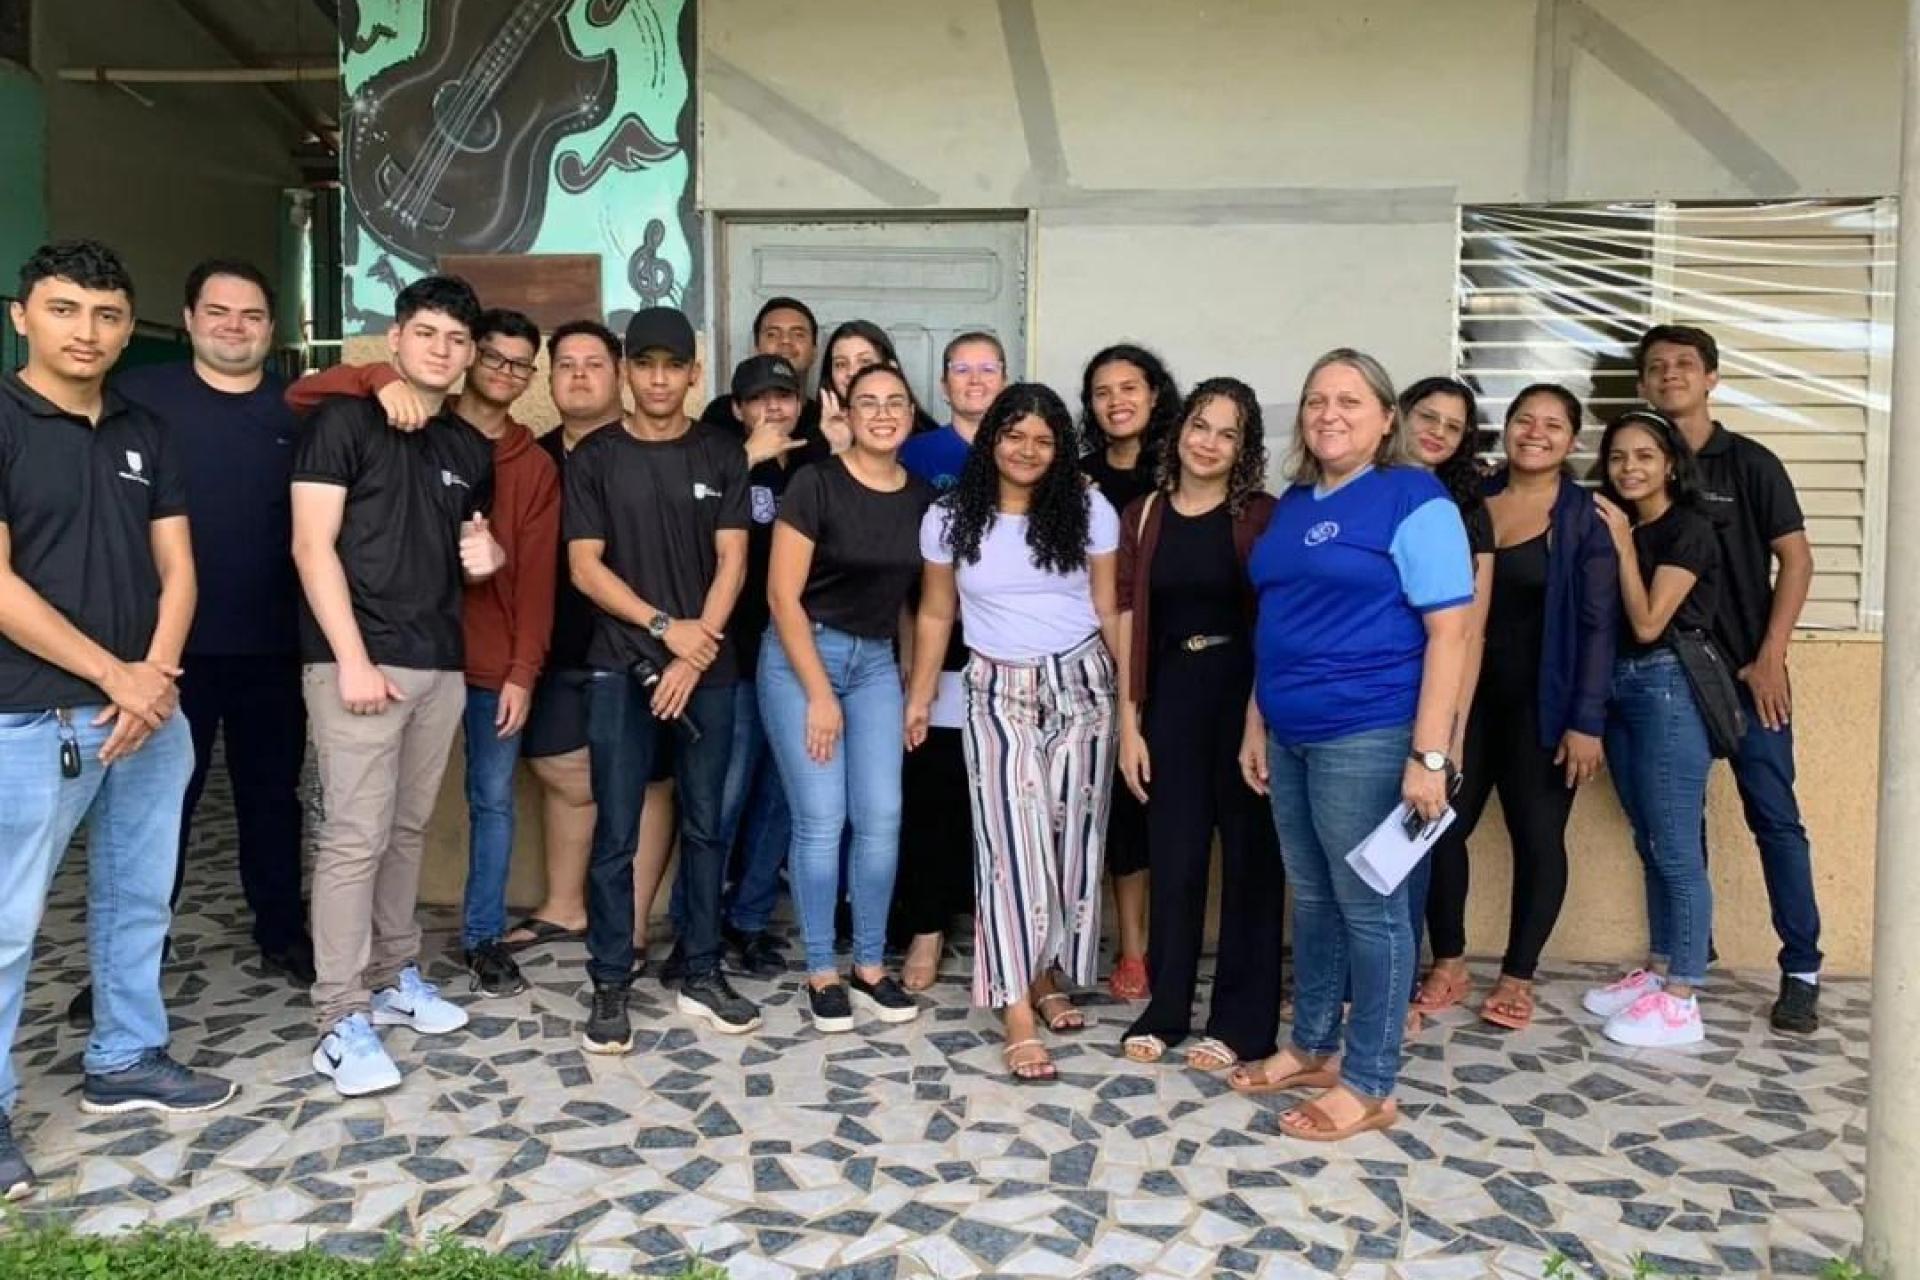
(1198, 644)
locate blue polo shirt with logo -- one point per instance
(1345, 579)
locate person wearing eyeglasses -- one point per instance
(939, 885)
(507, 620)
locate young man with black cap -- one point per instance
(656, 519)
(784, 327)
(388, 526)
(766, 394)
(1748, 494)
(96, 596)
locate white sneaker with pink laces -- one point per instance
(1604, 1002)
(1657, 1021)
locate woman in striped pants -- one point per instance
(1025, 552)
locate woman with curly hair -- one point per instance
(1186, 669)
(1024, 551)
(1128, 405)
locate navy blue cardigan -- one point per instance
(1583, 614)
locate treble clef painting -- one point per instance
(520, 126)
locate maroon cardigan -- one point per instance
(1134, 588)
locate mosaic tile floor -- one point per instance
(905, 1152)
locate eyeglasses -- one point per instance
(985, 368)
(495, 361)
(873, 406)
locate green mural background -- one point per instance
(518, 126)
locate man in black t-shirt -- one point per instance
(96, 596)
(656, 525)
(1747, 492)
(784, 327)
(387, 529)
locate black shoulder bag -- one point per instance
(1711, 678)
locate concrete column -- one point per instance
(1893, 1107)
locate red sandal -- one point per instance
(1128, 981)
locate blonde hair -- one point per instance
(1301, 466)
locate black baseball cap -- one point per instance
(660, 329)
(759, 374)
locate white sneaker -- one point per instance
(1604, 1002)
(352, 1056)
(415, 1002)
(1657, 1021)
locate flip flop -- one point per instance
(1154, 1047)
(1034, 1070)
(1515, 994)
(1211, 1055)
(1439, 990)
(1064, 1023)
(544, 933)
(1321, 1127)
(1253, 1079)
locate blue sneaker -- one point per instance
(155, 1083)
(352, 1056)
(415, 1002)
(16, 1175)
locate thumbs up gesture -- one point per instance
(480, 556)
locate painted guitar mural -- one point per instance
(516, 126)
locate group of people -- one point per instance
(923, 670)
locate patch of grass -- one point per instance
(57, 1253)
(1560, 1267)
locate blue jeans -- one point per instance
(623, 736)
(490, 764)
(1658, 753)
(1763, 769)
(132, 811)
(1327, 797)
(859, 786)
(753, 810)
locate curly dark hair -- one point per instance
(1161, 418)
(1683, 481)
(1460, 471)
(87, 263)
(1057, 516)
(1249, 473)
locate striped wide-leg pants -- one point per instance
(1040, 748)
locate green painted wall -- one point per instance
(23, 162)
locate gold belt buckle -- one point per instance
(1196, 644)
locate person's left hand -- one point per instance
(1424, 790)
(480, 556)
(515, 702)
(1581, 754)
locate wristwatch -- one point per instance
(657, 625)
(1432, 761)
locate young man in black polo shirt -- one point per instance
(784, 327)
(96, 596)
(656, 518)
(233, 440)
(386, 525)
(1746, 491)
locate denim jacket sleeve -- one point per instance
(1599, 605)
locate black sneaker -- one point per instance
(1797, 1011)
(711, 999)
(608, 1030)
(759, 956)
(155, 1083)
(295, 962)
(494, 972)
(80, 1009)
(829, 1007)
(674, 967)
(16, 1175)
(886, 999)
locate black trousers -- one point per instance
(256, 699)
(1503, 753)
(935, 882)
(1195, 711)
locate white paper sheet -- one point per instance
(949, 710)
(1386, 857)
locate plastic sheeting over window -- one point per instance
(1799, 296)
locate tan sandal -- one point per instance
(1211, 1055)
(1034, 1070)
(1516, 995)
(1253, 1079)
(1441, 989)
(919, 974)
(1319, 1126)
(1144, 1048)
(1070, 1020)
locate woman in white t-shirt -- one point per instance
(1026, 552)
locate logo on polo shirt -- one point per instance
(1325, 531)
(448, 480)
(136, 469)
(765, 507)
(702, 490)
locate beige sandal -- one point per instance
(1319, 1126)
(1211, 1055)
(1253, 1078)
(1033, 1070)
(1144, 1048)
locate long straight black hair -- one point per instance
(1683, 471)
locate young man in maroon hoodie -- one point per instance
(507, 620)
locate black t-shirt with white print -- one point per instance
(866, 547)
(1745, 490)
(657, 505)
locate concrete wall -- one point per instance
(23, 158)
(197, 173)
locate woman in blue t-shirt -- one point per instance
(1366, 586)
(1656, 742)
